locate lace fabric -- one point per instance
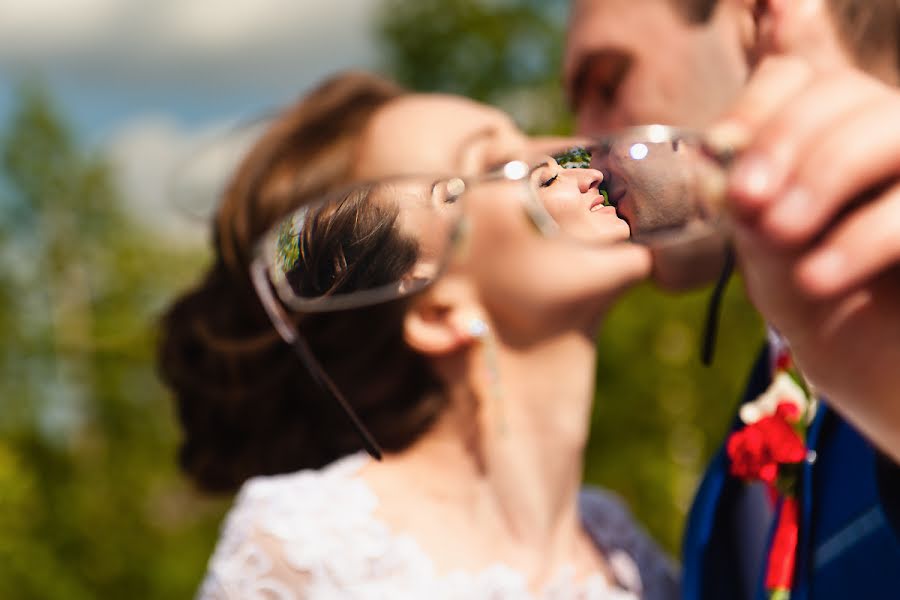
(313, 534)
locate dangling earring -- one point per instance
(480, 331)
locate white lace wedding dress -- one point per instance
(313, 535)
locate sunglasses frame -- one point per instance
(276, 296)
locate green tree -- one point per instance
(90, 503)
(504, 52)
(659, 413)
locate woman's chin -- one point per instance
(612, 229)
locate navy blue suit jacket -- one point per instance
(849, 524)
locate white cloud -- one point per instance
(147, 42)
(172, 178)
(127, 67)
(44, 28)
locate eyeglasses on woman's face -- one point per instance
(381, 241)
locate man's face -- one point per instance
(637, 61)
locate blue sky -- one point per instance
(157, 82)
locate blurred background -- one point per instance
(118, 121)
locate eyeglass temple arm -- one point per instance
(301, 348)
(714, 309)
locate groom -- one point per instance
(785, 73)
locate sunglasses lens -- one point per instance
(367, 244)
(657, 182)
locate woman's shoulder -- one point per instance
(287, 533)
(289, 506)
(297, 492)
(636, 559)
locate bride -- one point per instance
(479, 386)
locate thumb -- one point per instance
(795, 41)
(774, 82)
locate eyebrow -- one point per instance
(583, 68)
(577, 82)
(484, 132)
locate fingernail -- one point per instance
(790, 216)
(822, 271)
(752, 179)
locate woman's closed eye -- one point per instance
(548, 182)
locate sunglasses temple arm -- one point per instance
(301, 348)
(290, 335)
(714, 310)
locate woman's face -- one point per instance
(572, 197)
(519, 275)
(437, 134)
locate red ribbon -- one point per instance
(783, 554)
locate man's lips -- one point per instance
(616, 196)
(612, 200)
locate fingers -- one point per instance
(852, 157)
(633, 263)
(788, 137)
(861, 247)
(774, 82)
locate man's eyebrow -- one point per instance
(583, 69)
(579, 80)
(479, 134)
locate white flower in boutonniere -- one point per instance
(784, 389)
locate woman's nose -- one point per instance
(589, 179)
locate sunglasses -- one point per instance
(384, 240)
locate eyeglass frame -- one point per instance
(512, 171)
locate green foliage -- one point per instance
(574, 158)
(660, 414)
(287, 246)
(90, 501)
(505, 52)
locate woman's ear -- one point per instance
(434, 324)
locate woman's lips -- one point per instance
(609, 202)
(598, 207)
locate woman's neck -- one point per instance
(508, 451)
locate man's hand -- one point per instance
(815, 196)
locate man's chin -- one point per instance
(685, 264)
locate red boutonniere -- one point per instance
(771, 448)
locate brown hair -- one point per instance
(246, 404)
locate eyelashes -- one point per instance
(549, 182)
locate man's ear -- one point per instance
(434, 323)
